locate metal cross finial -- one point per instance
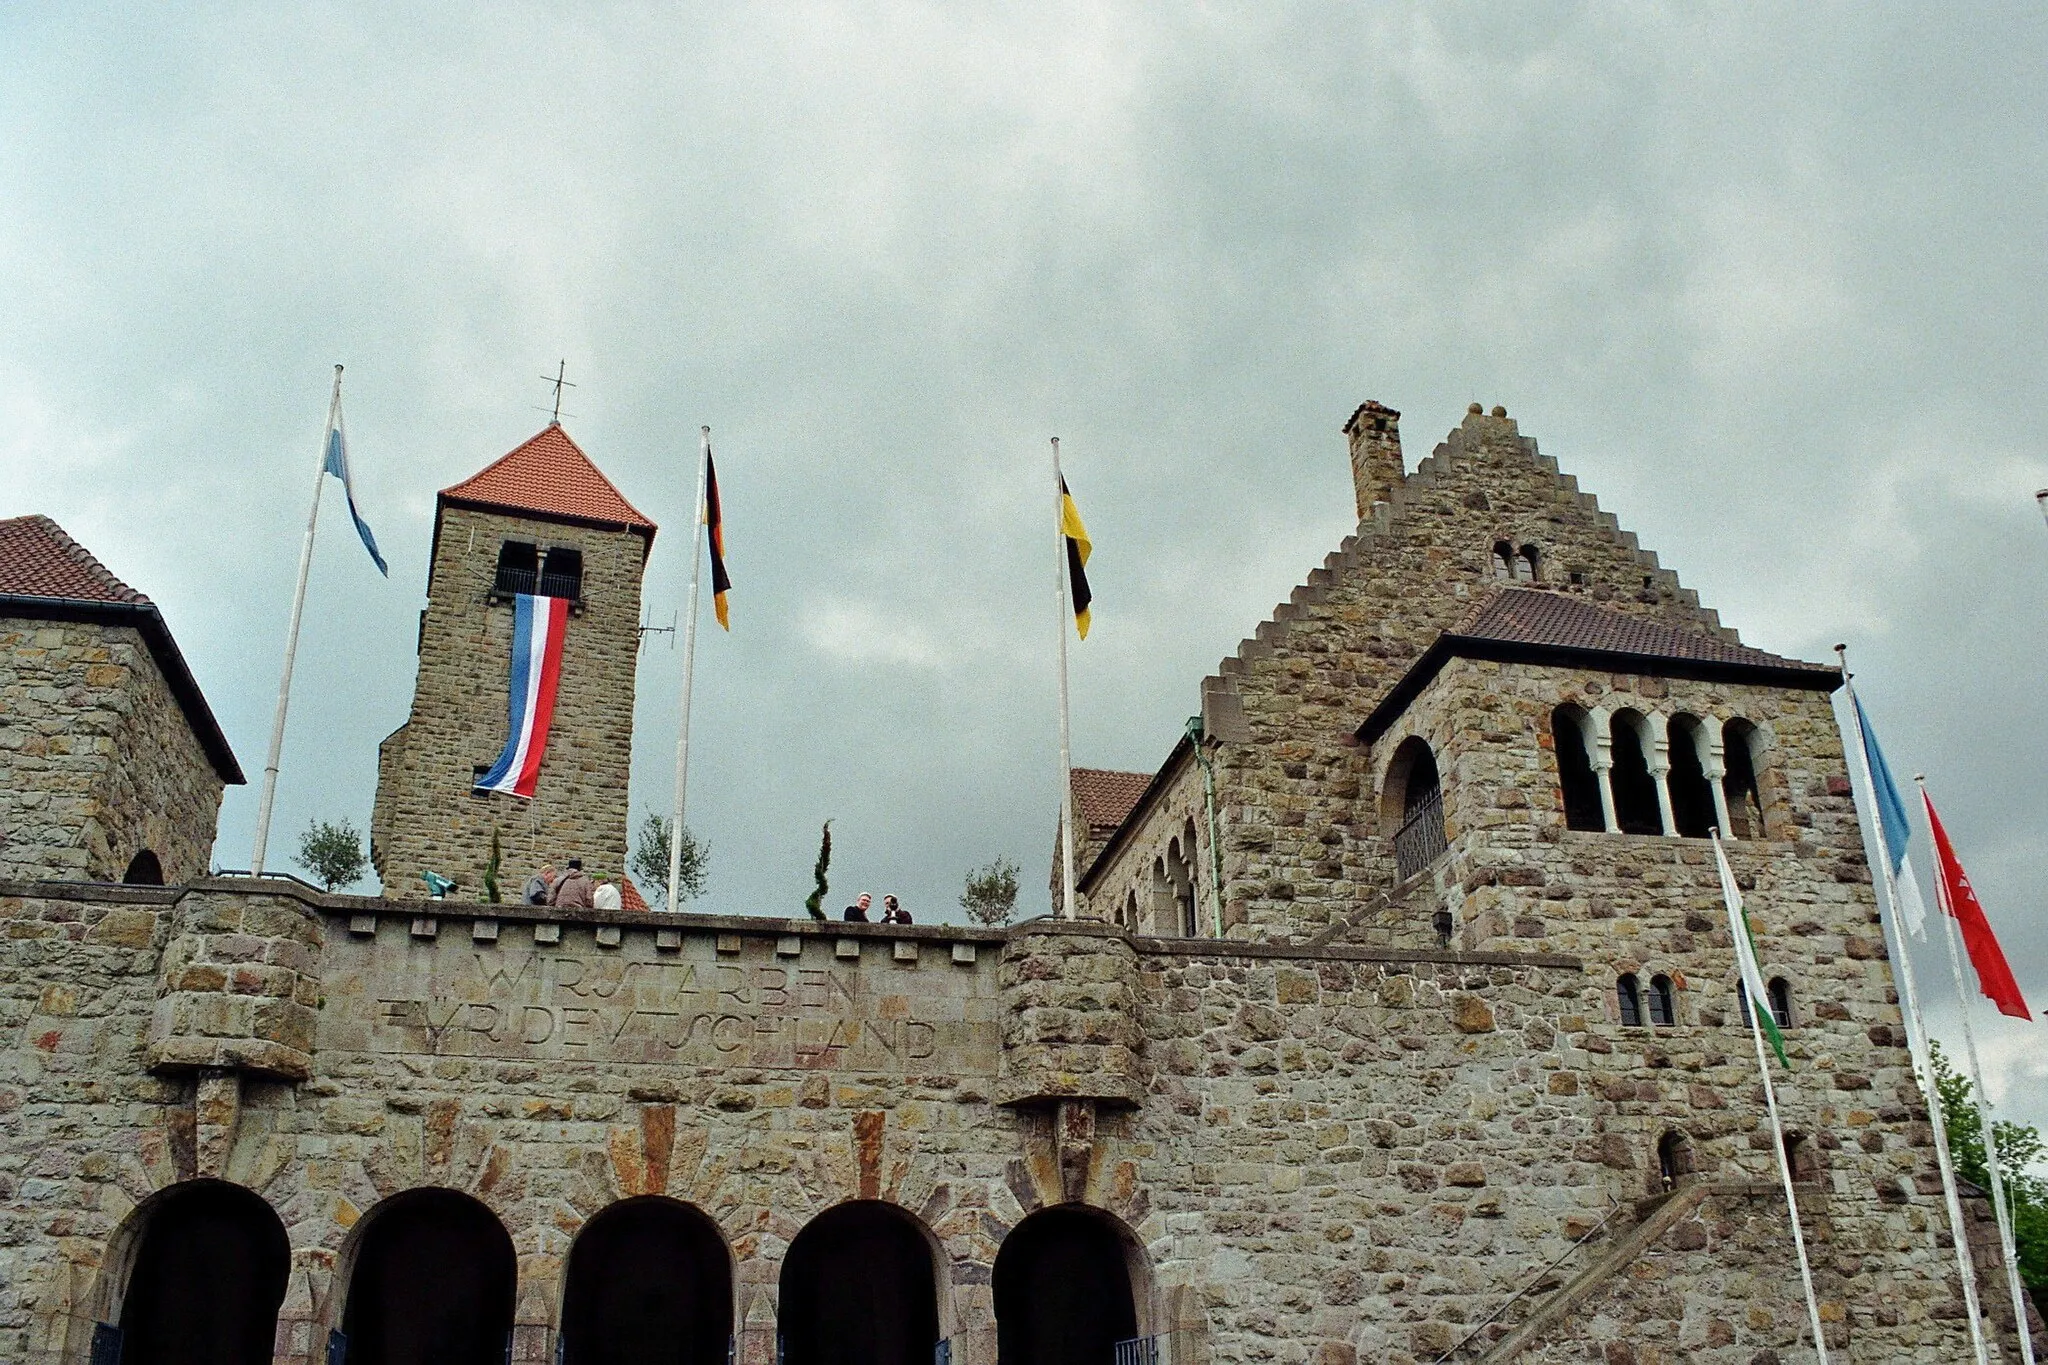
(560, 383)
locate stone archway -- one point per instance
(859, 1288)
(1063, 1289)
(432, 1283)
(211, 1264)
(649, 1283)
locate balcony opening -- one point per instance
(561, 574)
(1745, 798)
(1635, 790)
(518, 569)
(1692, 795)
(1571, 734)
(1414, 794)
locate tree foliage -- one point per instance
(990, 894)
(333, 852)
(650, 862)
(815, 902)
(2020, 1151)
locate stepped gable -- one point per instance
(37, 559)
(549, 476)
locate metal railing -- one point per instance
(1138, 1351)
(1421, 836)
(510, 582)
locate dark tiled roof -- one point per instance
(550, 475)
(1103, 797)
(38, 560)
(1531, 616)
(46, 575)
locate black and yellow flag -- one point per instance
(1078, 549)
(714, 523)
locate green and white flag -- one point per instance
(1745, 955)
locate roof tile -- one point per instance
(550, 475)
(1534, 616)
(1105, 797)
(38, 560)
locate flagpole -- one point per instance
(291, 643)
(1917, 1035)
(1059, 528)
(1985, 1120)
(1746, 971)
(675, 829)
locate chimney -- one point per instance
(1375, 432)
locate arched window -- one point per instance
(1663, 1002)
(1127, 913)
(1780, 993)
(432, 1281)
(1180, 876)
(1527, 564)
(1414, 791)
(144, 870)
(1635, 790)
(1692, 795)
(1503, 559)
(1674, 1159)
(1062, 1289)
(648, 1279)
(1628, 993)
(209, 1274)
(1799, 1156)
(1571, 734)
(859, 1288)
(1739, 743)
(1161, 912)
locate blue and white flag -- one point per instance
(337, 465)
(1892, 824)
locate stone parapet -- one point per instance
(1070, 1014)
(239, 986)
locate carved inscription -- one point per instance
(538, 1004)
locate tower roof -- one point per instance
(549, 476)
(45, 575)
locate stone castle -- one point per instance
(1400, 1026)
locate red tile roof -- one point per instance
(630, 897)
(38, 560)
(1104, 797)
(1531, 616)
(550, 476)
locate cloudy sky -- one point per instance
(1767, 279)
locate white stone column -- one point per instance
(1716, 769)
(1603, 768)
(1660, 768)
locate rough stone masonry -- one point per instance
(1462, 1078)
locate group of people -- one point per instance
(572, 889)
(892, 913)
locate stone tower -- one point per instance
(544, 520)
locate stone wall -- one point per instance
(1135, 887)
(1321, 1154)
(426, 816)
(97, 760)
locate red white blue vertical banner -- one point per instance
(539, 625)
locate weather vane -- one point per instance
(560, 383)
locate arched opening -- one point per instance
(1692, 795)
(1571, 734)
(144, 870)
(210, 1269)
(1738, 783)
(1184, 883)
(1415, 800)
(1503, 559)
(859, 1288)
(1628, 995)
(1662, 1002)
(1635, 790)
(1160, 916)
(1062, 1286)
(1779, 992)
(1127, 913)
(432, 1283)
(1528, 564)
(649, 1283)
(1799, 1156)
(1674, 1159)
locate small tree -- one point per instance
(2020, 1149)
(332, 852)
(990, 895)
(650, 861)
(815, 902)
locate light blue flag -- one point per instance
(1891, 810)
(337, 465)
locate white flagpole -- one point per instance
(675, 831)
(1747, 972)
(1985, 1119)
(1059, 526)
(1917, 1035)
(291, 641)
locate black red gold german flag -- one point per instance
(1078, 550)
(714, 524)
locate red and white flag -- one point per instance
(1959, 900)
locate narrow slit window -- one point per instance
(1663, 1002)
(1630, 997)
(1780, 993)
